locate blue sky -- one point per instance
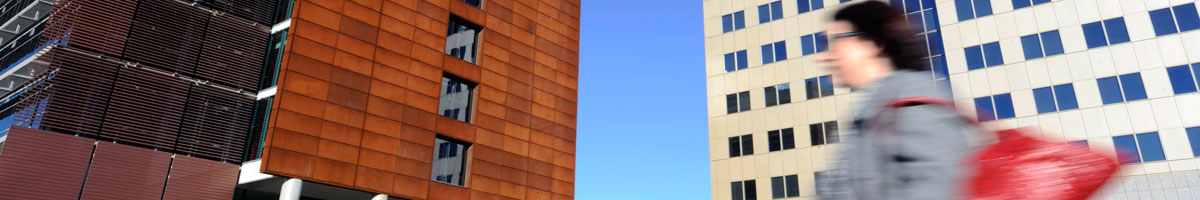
(642, 131)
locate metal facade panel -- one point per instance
(126, 172)
(194, 178)
(37, 164)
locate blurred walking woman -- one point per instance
(911, 152)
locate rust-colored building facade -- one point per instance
(357, 97)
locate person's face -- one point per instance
(851, 56)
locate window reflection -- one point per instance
(461, 39)
(455, 100)
(449, 161)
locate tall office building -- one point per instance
(1114, 75)
(283, 99)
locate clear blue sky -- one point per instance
(642, 131)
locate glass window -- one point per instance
(768, 54)
(1018, 4)
(1044, 99)
(769, 94)
(735, 146)
(744, 101)
(911, 6)
(1186, 16)
(1036, 2)
(1150, 147)
(940, 70)
(449, 161)
(1181, 79)
(935, 43)
(742, 62)
(1032, 45)
(1081, 143)
(991, 54)
(1065, 94)
(777, 188)
(773, 143)
(780, 51)
(461, 39)
(965, 11)
(803, 5)
(747, 144)
(764, 13)
(1052, 43)
(931, 21)
(475, 3)
(807, 45)
(793, 185)
(785, 93)
(822, 42)
(826, 85)
(726, 23)
(974, 58)
(736, 189)
(1110, 90)
(811, 89)
(1196, 73)
(739, 20)
(1132, 85)
(1193, 134)
(1127, 151)
(983, 8)
(1004, 106)
(455, 101)
(817, 4)
(983, 109)
(1116, 30)
(777, 10)
(750, 189)
(831, 132)
(731, 105)
(730, 62)
(789, 138)
(816, 134)
(1093, 33)
(1163, 21)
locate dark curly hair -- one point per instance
(888, 28)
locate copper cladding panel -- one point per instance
(37, 164)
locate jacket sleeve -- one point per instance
(929, 159)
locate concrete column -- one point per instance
(290, 189)
(380, 197)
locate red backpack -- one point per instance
(1021, 167)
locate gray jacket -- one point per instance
(915, 152)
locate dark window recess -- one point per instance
(783, 139)
(819, 87)
(823, 133)
(731, 103)
(747, 145)
(741, 145)
(462, 39)
(455, 101)
(744, 101)
(449, 161)
(778, 94)
(475, 3)
(785, 186)
(737, 102)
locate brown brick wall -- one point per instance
(358, 95)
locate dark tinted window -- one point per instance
(785, 93)
(793, 185)
(747, 145)
(991, 54)
(826, 85)
(1065, 94)
(1186, 16)
(1052, 43)
(831, 132)
(1093, 33)
(1163, 21)
(744, 101)
(773, 141)
(789, 138)
(731, 105)
(777, 188)
(475, 3)
(1116, 30)
(1181, 79)
(735, 146)
(1032, 46)
(1110, 90)
(1132, 85)
(750, 190)
(769, 95)
(811, 88)
(816, 134)
(736, 188)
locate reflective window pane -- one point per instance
(449, 161)
(455, 100)
(789, 138)
(461, 39)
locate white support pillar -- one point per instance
(290, 189)
(380, 197)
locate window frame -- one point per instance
(470, 99)
(475, 39)
(464, 160)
